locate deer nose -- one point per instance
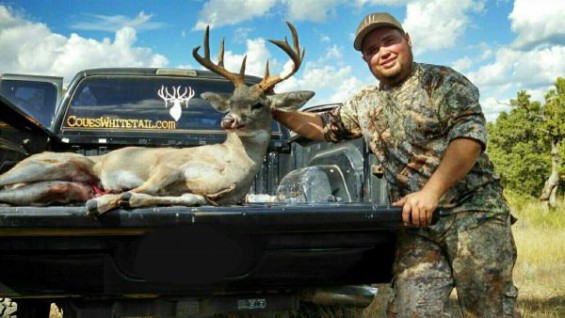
(229, 122)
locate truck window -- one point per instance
(135, 103)
(37, 99)
(145, 103)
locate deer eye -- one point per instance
(257, 106)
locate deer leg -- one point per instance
(219, 194)
(105, 203)
(138, 200)
(133, 199)
(158, 181)
(102, 204)
(50, 166)
(46, 193)
(213, 197)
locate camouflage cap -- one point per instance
(371, 22)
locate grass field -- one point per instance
(540, 268)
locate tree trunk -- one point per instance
(549, 191)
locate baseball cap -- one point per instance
(371, 22)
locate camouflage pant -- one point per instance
(468, 251)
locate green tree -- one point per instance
(526, 144)
(553, 119)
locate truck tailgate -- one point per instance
(251, 217)
(58, 251)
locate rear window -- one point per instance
(145, 103)
(37, 99)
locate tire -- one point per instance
(8, 308)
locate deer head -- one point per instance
(249, 108)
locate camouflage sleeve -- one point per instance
(460, 110)
(341, 123)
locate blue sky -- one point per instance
(503, 46)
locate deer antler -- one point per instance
(219, 69)
(295, 54)
(268, 82)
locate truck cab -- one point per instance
(35, 95)
(28, 104)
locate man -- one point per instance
(427, 130)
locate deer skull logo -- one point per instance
(176, 98)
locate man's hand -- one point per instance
(418, 208)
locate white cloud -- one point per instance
(332, 83)
(535, 68)
(513, 70)
(328, 76)
(312, 10)
(112, 23)
(536, 22)
(257, 53)
(8, 18)
(32, 48)
(333, 52)
(346, 86)
(257, 56)
(438, 24)
(498, 99)
(217, 13)
(487, 52)
(381, 2)
(492, 107)
(462, 64)
(240, 35)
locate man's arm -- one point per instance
(459, 158)
(309, 125)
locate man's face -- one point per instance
(388, 54)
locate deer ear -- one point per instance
(217, 100)
(290, 101)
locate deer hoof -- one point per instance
(92, 208)
(124, 200)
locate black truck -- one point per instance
(315, 229)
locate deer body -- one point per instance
(137, 176)
(170, 170)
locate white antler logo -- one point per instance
(176, 98)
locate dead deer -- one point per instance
(138, 177)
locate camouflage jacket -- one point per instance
(408, 128)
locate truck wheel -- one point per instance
(7, 308)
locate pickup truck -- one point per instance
(316, 228)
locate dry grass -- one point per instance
(540, 268)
